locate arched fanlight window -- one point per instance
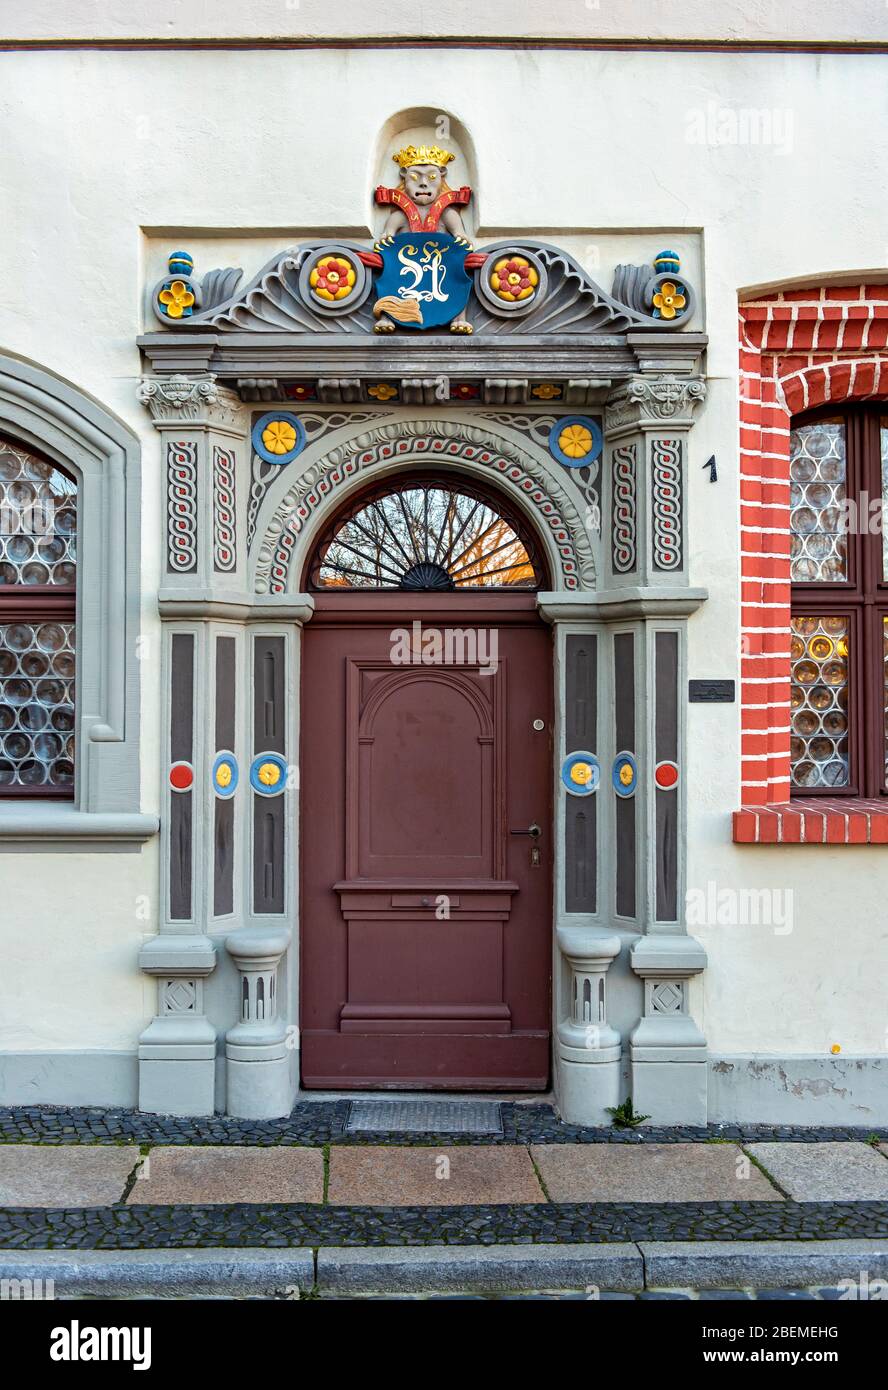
(426, 534)
(38, 595)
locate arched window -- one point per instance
(839, 571)
(38, 533)
(426, 534)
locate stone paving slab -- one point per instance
(34, 1176)
(225, 1175)
(825, 1172)
(401, 1177)
(654, 1173)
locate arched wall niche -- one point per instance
(424, 125)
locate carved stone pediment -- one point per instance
(280, 298)
(421, 315)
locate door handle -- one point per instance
(533, 830)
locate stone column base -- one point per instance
(258, 1081)
(672, 1093)
(586, 1088)
(183, 1085)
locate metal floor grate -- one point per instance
(424, 1117)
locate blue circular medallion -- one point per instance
(580, 773)
(278, 437)
(625, 774)
(225, 774)
(268, 774)
(575, 440)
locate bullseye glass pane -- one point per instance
(36, 704)
(817, 494)
(425, 536)
(38, 521)
(819, 701)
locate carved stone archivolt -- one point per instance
(452, 442)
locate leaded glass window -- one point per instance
(817, 493)
(839, 571)
(38, 537)
(426, 534)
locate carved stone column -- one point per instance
(257, 1068)
(589, 1048)
(648, 421)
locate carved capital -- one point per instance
(649, 402)
(195, 400)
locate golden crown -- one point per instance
(422, 154)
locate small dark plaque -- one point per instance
(711, 692)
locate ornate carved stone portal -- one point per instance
(342, 362)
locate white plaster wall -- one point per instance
(854, 20)
(109, 158)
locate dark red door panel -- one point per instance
(425, 922)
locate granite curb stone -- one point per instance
(772, 1265)
(170, 1273)
(591, 1272)
(441, 1267)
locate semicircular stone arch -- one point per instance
(320, 489)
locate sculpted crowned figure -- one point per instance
(424, 203)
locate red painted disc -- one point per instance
(181, 776)
(666, 776)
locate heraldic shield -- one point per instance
(423, 281)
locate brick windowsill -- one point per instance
(813, 820)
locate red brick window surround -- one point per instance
(800, 349)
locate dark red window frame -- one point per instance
(862, 598)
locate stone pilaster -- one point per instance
(204, 507)
(648, 420)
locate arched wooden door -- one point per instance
(426, 793)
